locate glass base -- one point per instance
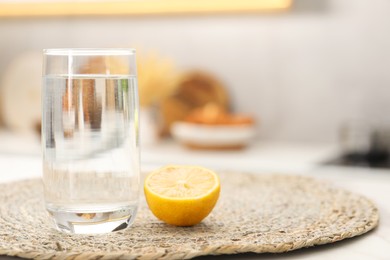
(92, 222)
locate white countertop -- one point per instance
(260, 158)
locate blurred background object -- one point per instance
(155, 7)
(363, 143)
(157, 80)
(20, 93)
(195, 89)
(212, 127)
(299, 74)
(158, 77)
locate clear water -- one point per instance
(90, 151)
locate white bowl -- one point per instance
(213, 136)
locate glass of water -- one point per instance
(90, 139)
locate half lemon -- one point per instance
(182, 195)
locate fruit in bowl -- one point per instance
(211, 127)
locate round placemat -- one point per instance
(255, 213)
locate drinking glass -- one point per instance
(90, 139)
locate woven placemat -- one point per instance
(255, 213)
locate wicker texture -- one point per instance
(255, 213)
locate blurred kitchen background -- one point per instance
(296, 88)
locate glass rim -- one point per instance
(88, 51)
